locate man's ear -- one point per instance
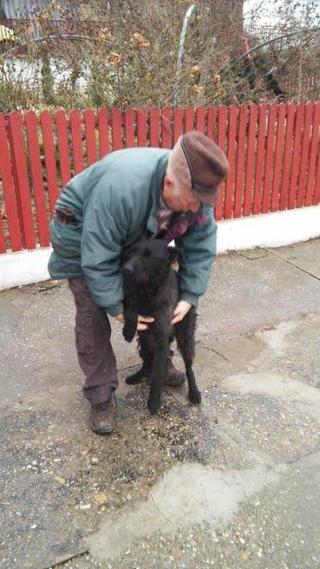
(176, 255)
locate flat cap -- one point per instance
(207, 163)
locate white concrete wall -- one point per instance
(268, 230)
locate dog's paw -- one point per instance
(194, 395)
(128, 332)
(154, 406)
(135, 378)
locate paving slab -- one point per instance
(231, 484)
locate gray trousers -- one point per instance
(95, 353)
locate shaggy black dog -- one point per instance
(151, 289)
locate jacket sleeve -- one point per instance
(198, 246)
(103, 235)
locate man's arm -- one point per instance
(199, 248)
(101, 246)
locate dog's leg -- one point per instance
(130, 325)
(185, 335)
(146, 352)
(159, 367)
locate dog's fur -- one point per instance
(151, 289)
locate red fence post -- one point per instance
(9, 193)
(278, 162)
(3, 248)
(37, 177)
(295, 156)
(177, 124)
(222, 117)
(154, 126)
(268, 176)
(166, 128)
(201, 118)
(312, 174)
(18, 155)
(284, 195)
(116, 121)
(251, 149)
(90, 129)
(103, 126)
(232, 133)
(142, 127)
(63, 146)
(129, 116)
(304, 164)
(211, 122)
(76, 135)
(241, 148)
(50, 158)
(260, 159)
(189, 119)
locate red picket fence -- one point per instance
(274, 152)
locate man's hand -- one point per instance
(181, 310)
(143, 321)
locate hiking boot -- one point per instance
(174, 377)
(102, 416)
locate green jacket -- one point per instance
(114, 201)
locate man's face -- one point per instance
(179, 199)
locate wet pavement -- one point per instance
(231, 484)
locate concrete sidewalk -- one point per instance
(233, 484)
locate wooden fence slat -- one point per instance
(166, 127)
(252, 130)
(211, 122)
(284, 197)
(313, 154)
(189, 119)
(37, 178)
(268, 175)
(3, 248)
(306, 140)
(90, 129)
(278, 163)
(296, 156)
(9, 194)
(177, 123)
(232, 131)
(260, 159)
(23, 188)
(50, 157)
(222, 121)
(103, 127)
(200, 118)
(116, 122)
(63, 146)
(240, 170)
(316, 195)
(129, 118)
(142, 127)
(154, 126)
(76, 135)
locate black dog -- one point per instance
(151, 289)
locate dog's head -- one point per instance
(150, 260)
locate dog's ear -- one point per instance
(176, 255)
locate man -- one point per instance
(130, 194)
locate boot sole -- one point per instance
(102, 431)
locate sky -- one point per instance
(265, 11)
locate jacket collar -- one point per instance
(157, 183)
